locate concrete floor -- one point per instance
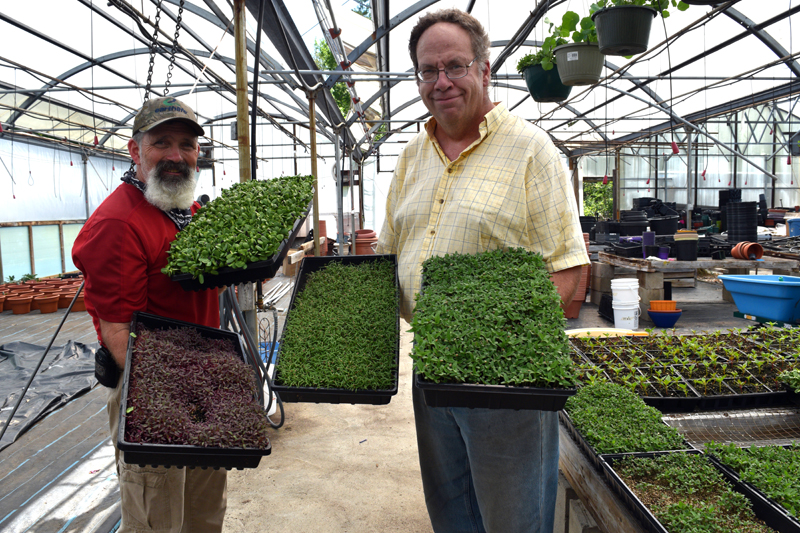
(336, 469)
(346, 468)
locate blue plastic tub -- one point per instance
(771, 297)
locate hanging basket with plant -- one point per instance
(540, 71)
(623, 26)
(580, 62)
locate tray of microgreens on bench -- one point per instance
(189, 398)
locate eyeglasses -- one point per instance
(453, 72)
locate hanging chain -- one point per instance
(174, 48)
(153, 46)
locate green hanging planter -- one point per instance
(545, 85)
(623, 30)
(579, 63)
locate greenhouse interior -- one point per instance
(222, 307)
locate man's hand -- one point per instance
(566, 282)
(115, 337)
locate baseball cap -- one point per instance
(160, 110)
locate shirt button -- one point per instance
(433, 232)
(441, 201)
(449, 170)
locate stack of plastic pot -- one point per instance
(685, 243)
(574, 308)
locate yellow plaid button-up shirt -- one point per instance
(508, 189)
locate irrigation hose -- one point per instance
(41, 360)
(253, 354)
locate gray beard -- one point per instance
(169, 194)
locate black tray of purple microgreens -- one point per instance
(189, 398)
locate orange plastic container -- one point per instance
(663, 305)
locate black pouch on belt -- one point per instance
(106, 370)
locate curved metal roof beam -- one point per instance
(395, 21)
(757, 31)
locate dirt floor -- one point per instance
(336, 468)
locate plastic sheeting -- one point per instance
(67, 372)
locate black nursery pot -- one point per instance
(623, 30)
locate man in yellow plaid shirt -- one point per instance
(477, 179)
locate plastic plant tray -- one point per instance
(175, 454)
(250, 273)
(638, 509)
(332, 395)
(766, 296)
(491, 396)
(771, 512)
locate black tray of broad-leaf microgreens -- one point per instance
(684, 491)
(759, 472)
(607, 418)
(243, 235)
(489, 333)
(341, 341)
(197, 388)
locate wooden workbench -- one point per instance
(651, 273)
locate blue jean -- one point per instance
(487, 470)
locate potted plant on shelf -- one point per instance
(540, 71)
(580, 61)
(623, 26)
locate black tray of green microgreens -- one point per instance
(341, 341)
(489, 333)
(791, 382)
(681, 373)
(684, 492)
(607, 418)
(188, 398)
(241, 236)
(769, 476)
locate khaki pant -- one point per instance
(174, 500)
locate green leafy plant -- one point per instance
(773, 470)
(791, 378)
(490, 318)
(598, 199)
(325, 60)
(659, 5)
(615, 420)
(245, 224)
(688, 495)
(342, 330)
(29, 277)
(572, 25)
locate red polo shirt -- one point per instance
(121, 250)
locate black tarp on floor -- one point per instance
(67, 372)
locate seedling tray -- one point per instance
(639, 510)
(767, 509)
(491, 396)
(250, 273)
(334, 395)
(174, 454)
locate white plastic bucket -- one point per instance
(625, 290)
(626, 316)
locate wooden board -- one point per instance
(663, 266)
(600, 500)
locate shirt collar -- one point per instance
(491, 121)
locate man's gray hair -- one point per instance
(477, 35)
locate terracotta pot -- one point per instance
(752, 250)
(32, 282)
(365, 234)
(49, 290)
(20, 304)
(39, 286)
(16, 286)
(2, 301)
(47, 304)
(735, 251)
(23, 292)
(66, 297)
(364, 246)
